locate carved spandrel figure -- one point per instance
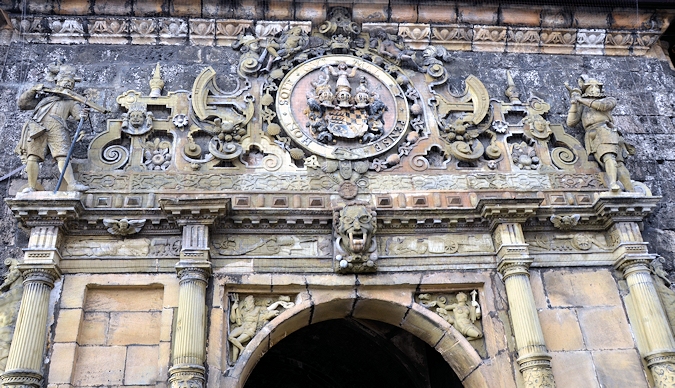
(591, 107)
(48, 128)
(460, 315)
(248, 318)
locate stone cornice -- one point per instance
(195, 210)
(42, 208)
(462, 28)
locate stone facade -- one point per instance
(253, 170)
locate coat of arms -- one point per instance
(336, 110)
(342, 107)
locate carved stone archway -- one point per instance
(419, 321)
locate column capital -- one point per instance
(510, 268)
(47, 274)
(630, 263)
(193, 271)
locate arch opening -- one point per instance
(352, 352)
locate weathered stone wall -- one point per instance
(643, 85)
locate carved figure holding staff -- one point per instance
(591, 107)
(48, 127)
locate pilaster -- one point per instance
(194, 268)
(633, 261)
(40, 270)
(506, 218)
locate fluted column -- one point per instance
(189, 346)
(648, 316)
(40, 270)
(533, 357)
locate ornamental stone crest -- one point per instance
(342, 107)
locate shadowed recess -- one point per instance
(352, 353)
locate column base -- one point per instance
(536, 370)
(662, 366)
(186, 376)
(21, 378)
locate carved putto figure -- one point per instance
(289, 43)
(123, 227)
(248, 318)
(47, 128)
(461, 315)
(591, 107)
(355, 245)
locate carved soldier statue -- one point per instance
(48, 128)
(593, 109)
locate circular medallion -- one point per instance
(342, 107)
(348, 190)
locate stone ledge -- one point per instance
(561, 39)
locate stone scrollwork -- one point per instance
(139, 141)
(222, 116)
(355, 244)
(461, 314)
(249, 315)
(465, 120)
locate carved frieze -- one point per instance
(274, 246)
(173, 31)
(133, 247)
(452, 36)
(567, 242)
(108, 31)
(443, 244)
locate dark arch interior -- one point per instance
(352, 353)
